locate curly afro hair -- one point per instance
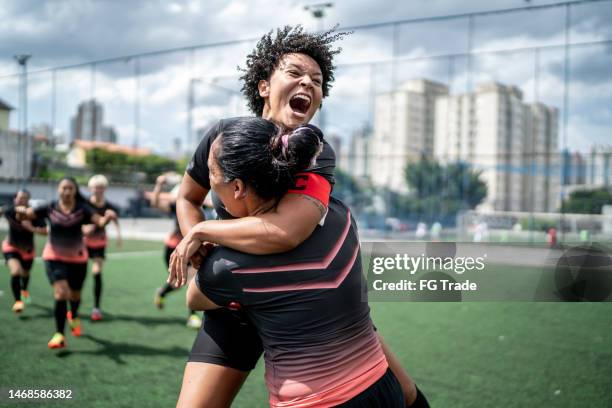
(264, 59)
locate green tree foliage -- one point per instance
(587, 201)
(121, 167)
(350, 191)
(440, 192)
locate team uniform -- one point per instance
(65, 254)
(96, 241)
(227, 337)
(309, 307)
(19, 245)
(65, 257)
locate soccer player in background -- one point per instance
(96, 239)
(18, 248)
(194, 321)
(65, 254)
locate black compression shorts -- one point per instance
(26, 265)
(96, 252)
(227, 338)
(386, 392)
(74, 273)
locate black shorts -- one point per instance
(96, 252)
(74, 273)
(386, 392)
(167, 254)
(26, 265)
(227, 338)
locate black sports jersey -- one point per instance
(198, 166)
(97, 238)
(19, 236)
(310, 309)
(65, 242)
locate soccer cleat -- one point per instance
(57, 341)
(96, 315)
(25, 295)
(75, 326)
(18, 306)
(194, 321)
(159, 299)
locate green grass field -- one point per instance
(460, 354)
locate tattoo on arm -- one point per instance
(316, 202)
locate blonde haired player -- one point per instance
(96, 239)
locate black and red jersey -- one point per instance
(97, 238)
(309, 306)
(317, 181)
(19, 239)
(65, 242)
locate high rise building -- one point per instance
(599, 166)
(88, 124)
(404, 129)
(513, 144)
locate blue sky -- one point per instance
(62, 32)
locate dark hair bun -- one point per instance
(297, 150)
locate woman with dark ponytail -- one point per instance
(65, 254)
(307, 304)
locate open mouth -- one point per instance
(300, 103)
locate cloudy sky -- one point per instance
(61, 33)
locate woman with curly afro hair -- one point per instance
(286, 77)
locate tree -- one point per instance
(440, 192)
(126, 168)
(587, 201)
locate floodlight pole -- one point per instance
(22, 60)
(318, 12)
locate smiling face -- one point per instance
(98, 191)
(294, 91)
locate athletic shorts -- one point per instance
(74, 273)
(96, 252)
(26, 265)
(167, 254)
(386, 392)
(227, 338)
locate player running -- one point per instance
(96, 239)
(18, 249)
(65, 254)
(194, 321)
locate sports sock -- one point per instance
(16, 287)
(420, 401)
(24, 282)
(74, 308)
(97, 290)
(166, 289)
(60, 315)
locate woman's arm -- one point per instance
(293, 220)
(25, 213)
(101, 221)
(119, 240)
(155, 201)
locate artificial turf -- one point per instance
(460, 354)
